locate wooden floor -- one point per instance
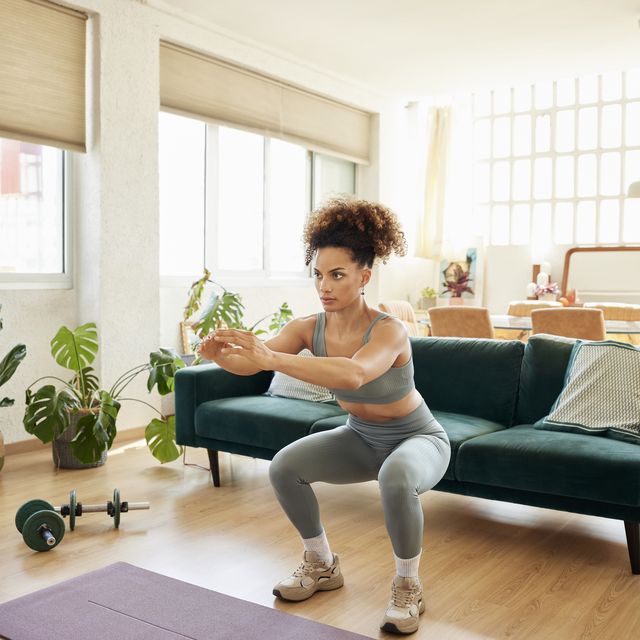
(490, 569)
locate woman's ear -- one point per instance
(366, 276)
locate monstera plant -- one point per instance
(8, 366)
(94, 409)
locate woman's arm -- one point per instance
(387, 341)
(289, 340)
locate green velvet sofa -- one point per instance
(487, 394)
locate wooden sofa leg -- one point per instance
(215, 467)
(632, 529)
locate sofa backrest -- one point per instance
(543, 370)
(477, 377)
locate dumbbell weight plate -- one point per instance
(30, 531)
(116, 508)
(73, 503)
(29, 508)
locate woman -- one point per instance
(364, 357)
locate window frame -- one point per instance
(52, 281)
(491, 160)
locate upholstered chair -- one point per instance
(587, 324)
(461, 322)
(404, 311)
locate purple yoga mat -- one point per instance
(128, 603)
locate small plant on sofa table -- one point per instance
(225, 309)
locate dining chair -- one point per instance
(587, 324)
(461, 322)
(404, 311)
(525, 307)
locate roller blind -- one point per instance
(42, 73)
(205, 87)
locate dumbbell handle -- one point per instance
(96, 508)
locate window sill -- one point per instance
(14, 281)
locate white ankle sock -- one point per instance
(407, 568)
(320, 545)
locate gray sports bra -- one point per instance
(391, 386)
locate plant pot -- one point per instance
(548, 297)
(61, 450)
(456, 300)
(1, 451)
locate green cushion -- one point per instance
(329, 423)
(470, 376)
(260, 421)
(461, 428)
(543, 371)
(601, 394)
(566, 464)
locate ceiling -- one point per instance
(415, 48)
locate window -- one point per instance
(237, 201)
(552, 161)
(32, 220)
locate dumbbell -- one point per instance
(42, 524)
(113, 508)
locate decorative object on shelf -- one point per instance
(8, 366)
(427, 299)
(459, 277)
(224, 309)
(91, 411)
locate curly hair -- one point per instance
(368, 230)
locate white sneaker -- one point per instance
(405, 606)
(311, 575)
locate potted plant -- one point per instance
(80, 416)
(427, 298)
(8, 366)
(458, 280)
(225, 309)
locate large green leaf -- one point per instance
(161, 438)
(76, 349)
(164, 364)
(47, 413)
(10, 362)
(96, 431)
(221, 310)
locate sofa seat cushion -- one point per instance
(461, 428)
(325, 424)
(261, 421)
(565, 464)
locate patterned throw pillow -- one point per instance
(287, 387)
(601, 393)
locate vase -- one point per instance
(61, 450)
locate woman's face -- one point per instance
(338, 278)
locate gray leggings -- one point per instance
(407, 456)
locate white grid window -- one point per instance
(552, 161)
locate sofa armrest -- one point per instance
(195, 385)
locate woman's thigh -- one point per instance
(338, 456)
(419, 462)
